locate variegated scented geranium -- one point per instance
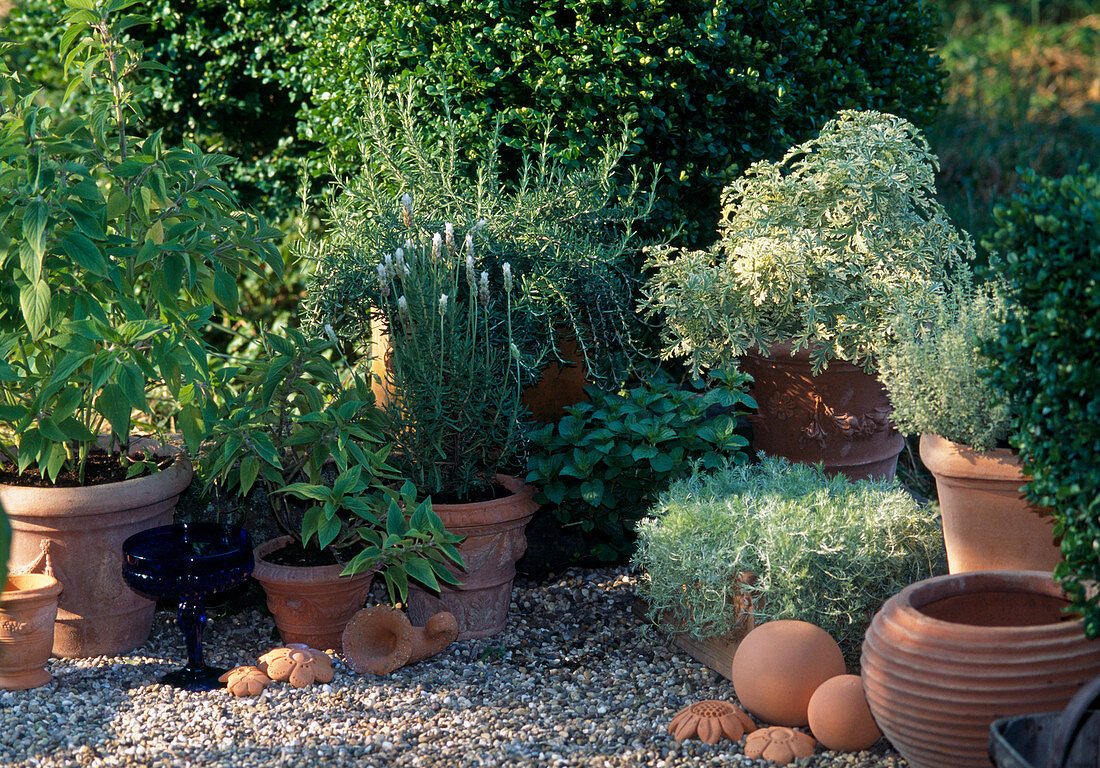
(820, 249)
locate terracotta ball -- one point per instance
(839, 716)
(779, 665)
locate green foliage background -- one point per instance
(1046, 246)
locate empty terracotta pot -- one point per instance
(28, 608)
(987, 523)
(494, 542)
(945, 657)
(381, 639)
(841, 417)
(313, 604)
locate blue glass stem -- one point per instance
(191, 615)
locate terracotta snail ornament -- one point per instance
(381, 639)
(711, 721)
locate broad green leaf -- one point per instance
(421, 570)
(225, 290)
(250, 468)
(592, 491)
(396, 525)
(34, 234)
(34, 300)
(85, 253)
(307, 491)
(114, 406)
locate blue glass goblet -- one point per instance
(188, 562)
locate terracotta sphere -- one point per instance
(779, 665)
(839, 715)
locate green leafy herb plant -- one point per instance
(823, 549)
(937, 375)
(115, 251)
(820, 249)
(287, 422)
(605, 462)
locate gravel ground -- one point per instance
(572, 682)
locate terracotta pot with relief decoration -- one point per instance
(840, 417)
(311, 604)
(75, 535)
(28, 608)
(494, 541)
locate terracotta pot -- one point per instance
(947, 656)
(841, 417)
(28, 608)
(381, 639)
(76, 535)
(312, 604)
(494, 542)
(987, 523)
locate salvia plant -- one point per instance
(820, 249)
(288, 422)
(115, 251)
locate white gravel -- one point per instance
(571, 682)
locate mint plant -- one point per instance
(116, 250)
(606, 461)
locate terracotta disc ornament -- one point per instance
(298, 665)
(778, 744)
(711, 721)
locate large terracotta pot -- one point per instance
(947, 656)
(841, 417)
(987, 523)
(28, 608)
(312, 604)
(494, 542)
(76, 535)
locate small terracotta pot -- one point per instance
(312, 604)
(987, 523)
(28, 608)
(381, 639)
(76, 535)
(841, 417)
(947, 656)
(494, 542)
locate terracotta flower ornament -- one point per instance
(711, 721)
(297, 664)
(245, 681)
(779, 744)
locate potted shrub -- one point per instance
(937, 379)
(115, 250)
(815, 255)
(820, 548)
(315, 445)
(1044, 358)
(568, 238)
(470, 284)
(603, 464)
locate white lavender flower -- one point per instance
(437, 242)
(507, 269)
(331, 334)
(407, 202)
(480, 224)
(449, 229)
(483, 289)
(470, 246)
(442, 303)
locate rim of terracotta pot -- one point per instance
(290, 573)
(81, 501)
(910, 601)
(780, 352)
(519, 504)
(946, 458)
(29, 586)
